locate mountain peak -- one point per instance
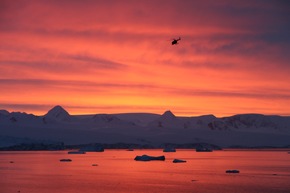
(58, 112)
(4, 112)
(168, 115)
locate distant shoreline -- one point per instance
(124, 146)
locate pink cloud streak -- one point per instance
(228, 50)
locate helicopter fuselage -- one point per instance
(175, 41)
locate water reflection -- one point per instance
(116, 171)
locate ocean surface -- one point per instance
(266, 171)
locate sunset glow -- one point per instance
(112, 56)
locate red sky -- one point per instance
(112, 56)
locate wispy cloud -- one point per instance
(119, 54)
(257, 93)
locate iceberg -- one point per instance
(65, 160)
(178, 161)
(233, 171)
(149, 158)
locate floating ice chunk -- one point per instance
(178, 161)
(233, 171)
(65, 160)
(149, 158)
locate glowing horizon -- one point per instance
(116, 57)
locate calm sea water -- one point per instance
(116, 171)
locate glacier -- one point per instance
(243, 130)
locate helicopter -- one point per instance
(175, 41)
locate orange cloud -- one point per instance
(112, 56)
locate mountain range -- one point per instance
(57, 125)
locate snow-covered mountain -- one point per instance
(145, 128)
(58, 113)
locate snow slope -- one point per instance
(145, 128)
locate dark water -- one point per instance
(116, 171)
